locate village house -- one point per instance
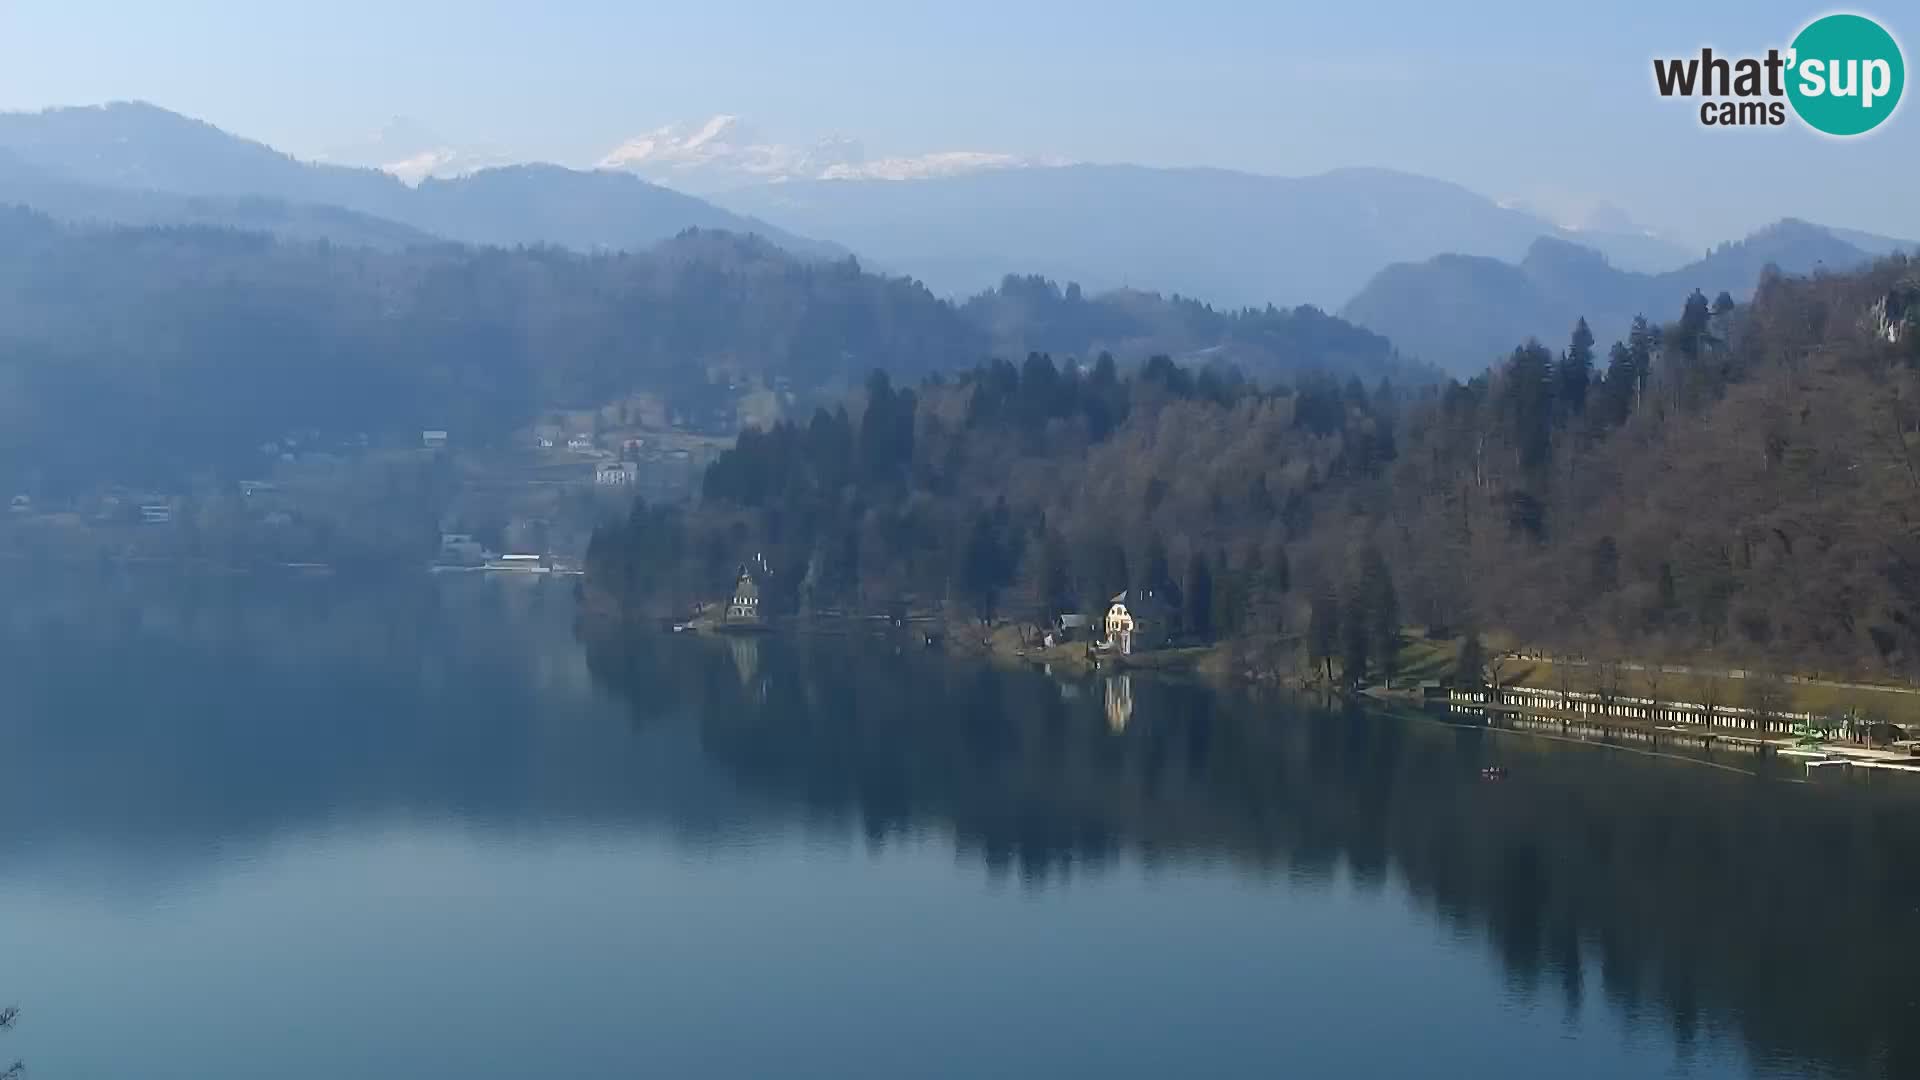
(1139, 623)
(1067, 626)
(616, 473)
(743, 607)
(580, 444)
(433, 439)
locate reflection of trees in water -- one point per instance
(1784, 912)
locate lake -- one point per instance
(298, 828)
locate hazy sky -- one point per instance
(1533, 100)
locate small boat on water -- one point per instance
(1494, 772)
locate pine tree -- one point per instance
(1528, 403)
(1606, 565)
(982, 571)
(1157, 574)
(1694, 319)
(1620, 385)
(1323, 626)
(1199, 592)
(1576, 370)
(1471, 664)
(1382, 608)
(1356, 636)
(1642, 340)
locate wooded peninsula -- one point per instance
(1737, 487)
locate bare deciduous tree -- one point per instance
(7, 1016)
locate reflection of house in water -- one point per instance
(746, 661)
(1119, 702)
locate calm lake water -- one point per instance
(262, 827)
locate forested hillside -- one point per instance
(131, 354)
(1740, 483)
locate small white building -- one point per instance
(580, 444)
(616, 473)
(433, 439)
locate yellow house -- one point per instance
(1120, 625)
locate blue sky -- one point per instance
(1533, 100)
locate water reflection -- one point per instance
(1119, 693)
(153, 727)
(1782, 912)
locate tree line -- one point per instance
(182, 350)
(1733, 484)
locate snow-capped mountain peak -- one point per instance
(722, 152)
(408, 150)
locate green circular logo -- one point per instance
(1845, 74)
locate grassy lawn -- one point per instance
(1885, 705)
(1423, 657)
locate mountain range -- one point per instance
(1451, 276)
(699, 157)
(107, 152)
(1234, 238)
(1464, 312)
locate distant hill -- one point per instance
(135, 148)
(179, 349)
(1232, 237)
(23, 184)
(1463, 312)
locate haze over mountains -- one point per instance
(1450, 276)
(1463, 312)
(1229, 237)
(135, 147)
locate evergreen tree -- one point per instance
(1642, 340)
(1528, 403)
(1620, 385)
(1323, 626)
(1156, 575)
(1229, 599)
(1694, 319)
(1469, 668)
(1382, 606)
(1576, 370)
(983, 569)
(1199, 593)
(1606, 565)
(1356, 632)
